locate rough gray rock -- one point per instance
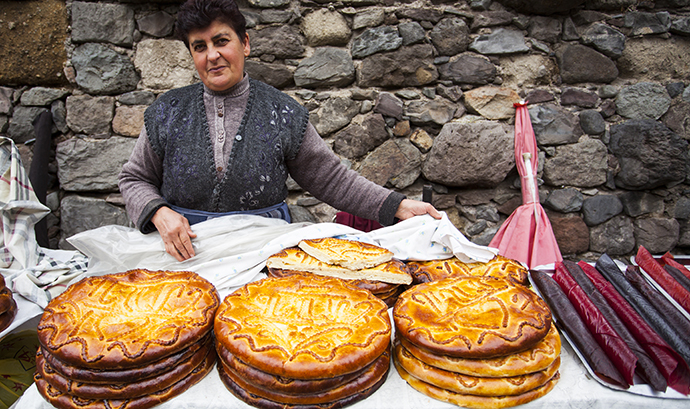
(605, 39)
(650, 155)
(583, 99)
(656, 234)
(582, 164)
(545, 7)
(334, 114)
(103, 71)
(600, 208)
(644, 100)
(137, 98)
(554, 125)
(411, 66)
(677, 118)
(396, 163)
(80, 213)
(471, 154)
(368, 18)
(376, 40)
(641, 23)
(284, 41)
(42, 96)
(327, 67)
(389, 105)
(468, 68)
(90, 115)
(92, 164)
(492, 102)
(491, 19)
(102, 22)
(566, 200)
(411, 33)
(276, 75)
(614, 237)
(21, 128)
(164, 64)
(681, 26)
(500, 41)
(450, 36)
(158, 24)
(362, 135)
(546, 29)
(571, 233)
(638, 203)
(579, 63)
(435, 112)
(325, 27)
(592, 123)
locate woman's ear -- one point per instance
(247, 48)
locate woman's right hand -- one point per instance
(176, 233)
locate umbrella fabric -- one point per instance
(526, 235)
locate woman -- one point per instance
(227, 145)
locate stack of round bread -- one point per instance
(8, 307)
(363, 265)
(131, 340)
(499, 266)
(478, 342)
(302, 341)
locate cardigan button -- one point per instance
(238, 137)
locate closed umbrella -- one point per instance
(527, 236)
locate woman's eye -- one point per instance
(199, 48)
(222, 41)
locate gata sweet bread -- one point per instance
(300, 328)
(9, 309)
(6, 299)
(472, 317)
(294, 258)
(535, 359)
(367, 379)
(475, 401)
(62, 400)
(376, 287)
(473, 385)
(354, 255)
(123, 390)
(499, 266)
(281, 384)
(96, 376)
(127, 320)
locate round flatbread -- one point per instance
(7, 317)
(499, 266)
(474, 401)
(472, 385)
(127, 390)
(280, 384)
(264, 403)
(127, 320)
(6, 300)
(367, 379)
(472, 317)
(303, 329)
(63, 400)
(376, 287)
(535, 359)
(351, 254)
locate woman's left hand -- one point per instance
(410, 208)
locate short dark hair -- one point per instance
(199, 14)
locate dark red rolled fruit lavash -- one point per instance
(569, 320)
(610, 341)
(645, 366)
(654, 318)
(646, 261)
(668, 259)
(671, 365)
(672, 315)
(678, 276)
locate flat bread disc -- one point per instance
(472, 317)
(535, 359)
(499, 266)
(474, 401)
(127, 320)
(124, 390)
(351, 254)
(472, 385)
(376, 287)
(303, 328)
(7, 317)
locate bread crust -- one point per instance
(376, 287)
(7, 317)
(499, 266)
(6, 299)
(354, 255)
(303, 328)
(294, 258)
(473, 401)
(472, 385)
(472, 317)
(127, 320)
(535, 359)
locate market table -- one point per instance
(231, 252)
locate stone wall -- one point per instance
(407, 93)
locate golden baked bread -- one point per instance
(354, 255)
(301, 328)
(376, 287)
(472, 317)
(95, 376)
(63, 400)
(6, 300)
(472, 385)
(127, 320)
(535, 359)
(264, 403)
(127, 390)
(499, 266)
(474, 401)
(367, 379)
(293, 258)
(281, 384)
(9, 309)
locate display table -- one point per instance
(574, 390)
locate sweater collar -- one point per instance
(236, 90)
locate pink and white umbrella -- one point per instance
(526, 235)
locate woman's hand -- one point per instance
(175, 232)
(410, 208)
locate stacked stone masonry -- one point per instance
(407, 93)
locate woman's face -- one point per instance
(218, 55)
